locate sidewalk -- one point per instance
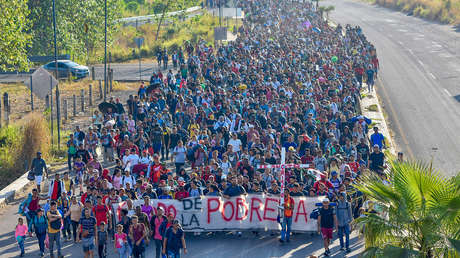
(371, 108)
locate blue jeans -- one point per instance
(344, 230)
(286, 228)
(172, 254)
(41, 242)
(55, 237)
(21, 243)
(123, 251)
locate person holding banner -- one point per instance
(287, 219)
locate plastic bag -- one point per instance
(47, 242)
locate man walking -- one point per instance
(38, 166)
(344, 218)
(54, 229)
(326, 221)
(287, 219)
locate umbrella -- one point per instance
(316, 29)
(104, 107)
(360, 117)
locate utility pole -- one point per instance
(57, 78)
(105, 52)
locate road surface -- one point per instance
(418, 81)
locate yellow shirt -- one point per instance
(191, 129)
(50, 229)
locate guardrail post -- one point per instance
(6, 105)
(90, 95)
(74, 99)
(93, 73)
(100, 90)
(64, 106)
(82, 100)
(111, 80)
(47, 102)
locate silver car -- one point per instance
(67, 67)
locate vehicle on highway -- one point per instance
(65, 67)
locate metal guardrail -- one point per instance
(152, 16)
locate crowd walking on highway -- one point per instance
(290, 80)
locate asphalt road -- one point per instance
(418, 82)
(220, 244)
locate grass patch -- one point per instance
(372, 108)
(443, 11)
(19, 143)
(171, 36)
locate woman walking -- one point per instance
(75, 210)
(41, 226)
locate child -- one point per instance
(121, 242)
(102, 237)
(20, 234)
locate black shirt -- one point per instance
(327, 217)
(377, 160)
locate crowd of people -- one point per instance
(290, 80)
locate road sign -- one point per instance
(139, 42)
(41, 82)
(220, 33)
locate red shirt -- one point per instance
(288, 207)
(33, 205)
(101, 211)
(307, 159)
(54, 194)
(155, 173)
(181, 195)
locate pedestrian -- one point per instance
(88, 232)
(76, 208)
(21, 231)
(41, 226)
(38, 167)
(138, 233)
(326, 221)
(54, 229)
(121, 242)
(287, 219)
(55, 188)
(155, 224)
(344, 218)
(174, 241)
(102, 237)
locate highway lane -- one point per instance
(418, 80)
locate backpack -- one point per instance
(56, 225)
(314, 214)
(24, 205)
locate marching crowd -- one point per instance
(288, 81)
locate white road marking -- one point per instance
(448, 93)
(400, 43)
(410, 51)
(420, 62)
(432, 76)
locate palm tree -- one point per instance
(420, 213)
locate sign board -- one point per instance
(250, 212)
(41, 84)
(220, 33)
(139, 42)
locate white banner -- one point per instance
(251, 212)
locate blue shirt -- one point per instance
(377, 138)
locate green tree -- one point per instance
(420, 213)
(14, 38)
(80, 26)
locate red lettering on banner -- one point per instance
(168, 209)
(267, 208)
(253, 207)
(241, 202)
(304, 212)
(223, 211)
(210, 209)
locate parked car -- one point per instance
(67, 66)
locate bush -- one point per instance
(19, 144)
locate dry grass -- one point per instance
(25, 138)
(446, 11)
